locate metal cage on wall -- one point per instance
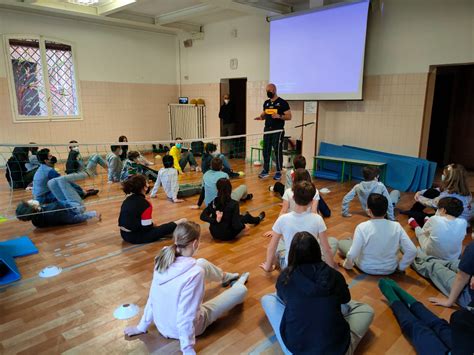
(187, 121)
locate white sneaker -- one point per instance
(242, 279)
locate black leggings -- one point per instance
(249, 219)
(149, 235)
(417, 210)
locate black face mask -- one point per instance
(270, 94)
(53, 160)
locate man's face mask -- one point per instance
(270, 94)
(226, 101)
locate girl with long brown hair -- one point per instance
(223, 214)
(453, 184)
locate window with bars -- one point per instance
(42, 79)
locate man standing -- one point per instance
(227, 115)
(275, 112)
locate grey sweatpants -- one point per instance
(442, 273)
(239, 193)
(216, 307)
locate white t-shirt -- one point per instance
(376, 245)
(288, 196)
(442, 237)
(291, 223)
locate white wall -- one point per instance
(103, 53)
(410, 35)
(207, 61)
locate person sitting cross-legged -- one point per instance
(377, 242)
(442, 234)
(312, 311)
(135, 220)
(223, 214)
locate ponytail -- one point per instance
(166, 257)
(183, 235)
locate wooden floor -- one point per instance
(72, 313)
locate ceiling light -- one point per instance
(84, 2)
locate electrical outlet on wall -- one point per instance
(234, 63)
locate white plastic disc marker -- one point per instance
(126, 311)
(50, 271)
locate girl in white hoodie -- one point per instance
(177, 290)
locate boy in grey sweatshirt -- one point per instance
(371, 184)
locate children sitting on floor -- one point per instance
(289, 204)
(452, 278)
(175, 302)
(114, 164)
(33, 162)
(46, 172)
(453, 184)
(288, 197)
(223, 214)
(135, 220)
(168, 178)
(443, 234)
(299, 220)
(210, 179)
(75, 163)
(371, 184)
(210, 151)
(182, 158)
(312, 312)
(428, 333)
(377, 242)
(132, 166)
(299, 162)
(67, 208)
(16, 172)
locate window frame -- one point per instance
(17, 118)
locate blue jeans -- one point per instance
(429, 334)
(65, 193)
(225, 162)
(90, 170)
(274, 308)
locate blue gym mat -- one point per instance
(403, 173)
(10, 249)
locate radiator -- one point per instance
(187, 121)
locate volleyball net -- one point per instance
(88, 165)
